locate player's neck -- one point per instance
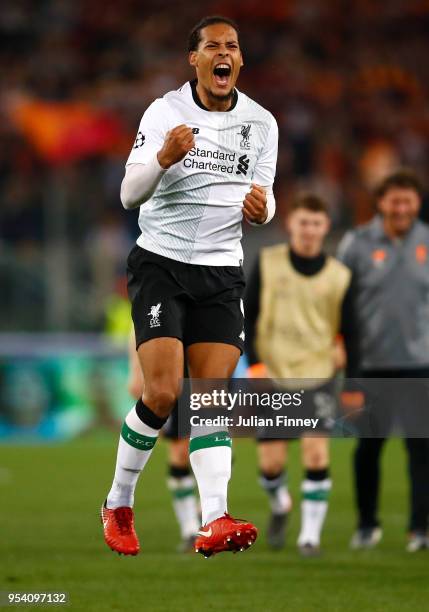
(307, 252)
(393, 233)
(211, 103)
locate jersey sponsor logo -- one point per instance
(139, 142)
(421, 253)
(218, 156)
(245, 136)
(229, 159)
(154, 313)
(243, 165)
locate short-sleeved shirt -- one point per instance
(195, 214)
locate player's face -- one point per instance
(399, 207)
(217, 60)
(307, 231)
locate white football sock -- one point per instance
(278, 494)
(314, 507)
(135, 447)
(210, 456)
(185, 504)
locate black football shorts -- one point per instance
(191, 302)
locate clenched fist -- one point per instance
(255, 205)
(178, 142)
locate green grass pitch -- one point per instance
(51, 539)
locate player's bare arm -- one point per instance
(255, 204)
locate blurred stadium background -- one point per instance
(347, 82)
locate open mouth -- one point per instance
(221, 73)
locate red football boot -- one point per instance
(119, 532)
(223, 534)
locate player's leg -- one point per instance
(135, 375)
(367, 485)
(180, 480)
(181, 483)
(412, 415)
(210, 455)
(158, 307)
(138, 436)
(315, 489)
(142, 424)
(210, 448)
(214, 337)
(272, 457)
(120, 518)
(418, 468)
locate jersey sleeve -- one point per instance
(265, 169)
(151, 133)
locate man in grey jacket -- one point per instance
(389, 259)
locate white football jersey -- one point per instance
(195, 214)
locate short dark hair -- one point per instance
(403, 178)
(310, 201)
(195, 34)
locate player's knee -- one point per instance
(135, 390)
(271, 464)
(160, 399)
(316, 461)
(272, 469)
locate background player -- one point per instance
(204, 157)
(388, 258)
(296, 303)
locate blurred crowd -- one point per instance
(346, 81)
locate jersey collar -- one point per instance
(198, 102)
